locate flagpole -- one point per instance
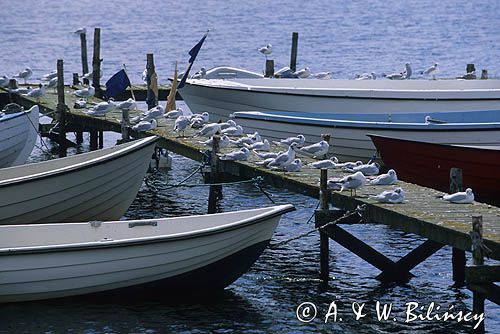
(131, 89)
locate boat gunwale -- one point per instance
(272, 212)
(113, 155)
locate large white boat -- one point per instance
(166, 256)
(222, 97)
(95, 185)
(18, 133)
(348, 131)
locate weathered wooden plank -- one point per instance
(482, 274)
(489, 291)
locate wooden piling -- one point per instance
(125, 124)
(61, 108)
(269, 68)
(324, 250)
(215, 192)
(470, 68)
(76, 81)
(96, 63)
(93, 140)
(79, 137)
(293, 55)
(101, 139)
(85, 63)
(458, 259)
(484, 74)
(12, 85)
(152, 99)
(478, 260)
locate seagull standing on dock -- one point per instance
(407, 72)
(52, 84)
(266, 50)
(323, 75)
(145, 125)
(249, 139)
(181, 123)
(239, 155)
(431, 71)
(24, 74)
(352, 182)
(390, 196)
(299, 139)
(266, 155)
(174, 113)
(317, 150)
(37, 93)
(294, 166)
(49, 76)
(153, 113)
(284, 158)
(385, 179)
(463, 197)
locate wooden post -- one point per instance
(151, 99)
(324, 250)
(124, 124)
(12, 85)
(269, 68)
(458, 259)
(61, 108)
(85, 63)
(293, 55)
(79, 137)
(76, 81)
(484, 74)
(477, 260)
(215, 191)
(470, 68)
(101, 139)
(96, 63)
(93, 140)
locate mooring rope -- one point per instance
(358, 211)
(41, 139)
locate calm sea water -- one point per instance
(343, 37)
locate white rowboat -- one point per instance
(96, 185)
(18, 133)
(174, 255)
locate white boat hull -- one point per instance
(352, 144)
(18, 137)
(222, 97)
(134, 258)
(102, 191)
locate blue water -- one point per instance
(343, 37)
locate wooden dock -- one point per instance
(423, 212)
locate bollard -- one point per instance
(61, 108)
(85, 63)
(269, 68)
(293, 55)
(96, 63)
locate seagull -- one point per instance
(200, 75)
(241, 154)
(85, 92)
(37, 92)
(366, 169)
(24, 74)
(52, 83)
(431, 71)
(352, 182)
(390, 196)
(266, 155)
(266, 50)
(49, 76)
(259, 146)
(145, 125)
(127, 105)
(294, 166)
(284, 158)
(265, 162)
(145, 76)
(385, 179)
(208, 130)
(181, 123)
(325, 164)
(198, 120)
(4, 81)
(80, 31)
(315, 150)
(323, 75)
(233, 131)
(463, 197)
(367, 76)
(299, 139)
(303, 73)
(407, 72)
(223, 142)
(102, 108)
(153, 113)
(250, 139)
(395, 76)
(228, 124)
(174, 113)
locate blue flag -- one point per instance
(193, 53)
(117, 84)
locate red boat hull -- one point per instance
(429, 164)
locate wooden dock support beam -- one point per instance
(215, 192)
(61, 108)
(85, 63)
(101, 139)
(324, 241)
(96, 63)
(152, 98)
(93, 140)
(293, 54)
(458, 260)
(269, 68)
(79, 137)
(477, 260)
